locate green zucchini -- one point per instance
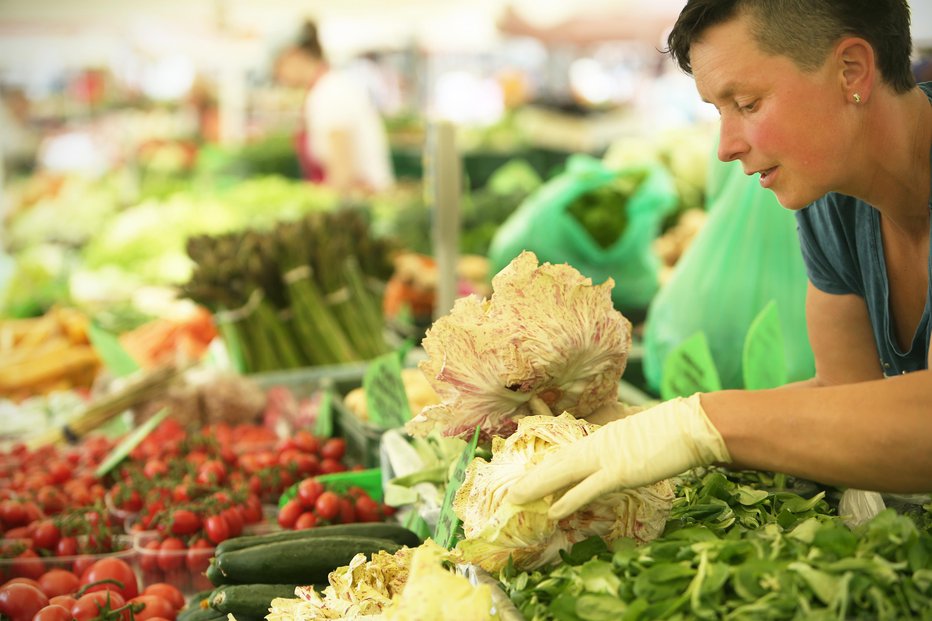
(249, 599)
(307, 561)
(382, 530)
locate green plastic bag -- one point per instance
(544, 225)
(746, 256)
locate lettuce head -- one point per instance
(496, 530)
(546, 341)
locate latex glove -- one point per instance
(661, 442)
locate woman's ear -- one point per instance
(857, 70)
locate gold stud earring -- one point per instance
(857, 98)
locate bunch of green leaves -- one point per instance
(819, 569)
(716, 500)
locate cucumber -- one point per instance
(307, 561)
(196, 613)
(249, 599)
(213, 574)
(381, 530)
(195, 600)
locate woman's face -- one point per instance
(295, 69)
(779, 121)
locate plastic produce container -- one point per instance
(183, 569)
(35, 567)
(362, 438)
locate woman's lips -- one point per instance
(767, 177)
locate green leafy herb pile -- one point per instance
(735, 552)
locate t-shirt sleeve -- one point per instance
(829, 248)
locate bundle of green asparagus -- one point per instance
(308, 292)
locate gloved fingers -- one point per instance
(561, 469)
(611, 412)
(585, 492)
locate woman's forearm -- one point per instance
(873, 435)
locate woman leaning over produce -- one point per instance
(816, 97)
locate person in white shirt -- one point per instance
(343, 142)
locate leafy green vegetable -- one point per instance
(732, 551)
(602, 211)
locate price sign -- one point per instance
(323, 426)
(689, 369)
(448, 523)
(386, 398)
(111, 352)
(764, 359)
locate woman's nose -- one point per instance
(731, 145)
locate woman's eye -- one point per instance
(750, 107)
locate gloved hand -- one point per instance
(663, 441)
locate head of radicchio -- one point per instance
(546, 341)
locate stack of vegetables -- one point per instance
(305, 293)
(250, 572)
(45, 354)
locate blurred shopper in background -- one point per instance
(342, 141)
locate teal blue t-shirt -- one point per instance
(843, 252)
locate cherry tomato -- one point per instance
(367, 510)
(12, 514)
(149, 555)
(329, 466)
(168, 592)
(81, 564)
(347, 512)
(333, 448)
(288, 514)
(153, 606)
(28, 564)
(65, 601)
(234, 517)
(67, 546)
(51, 500)
(59, 471)
(305, 520)
(309, 490)
(46, 535)
(252, 510)
(90, 605)
(21, 580)
(59, 582)
(20, 601)
(53, 612)
(216, 529)
(154, 468)
(211, 472)
(327, 506)
(185, 522)
(172, 554)
(306, 441)
(114, 569)
(306, 465)
(198, 557)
